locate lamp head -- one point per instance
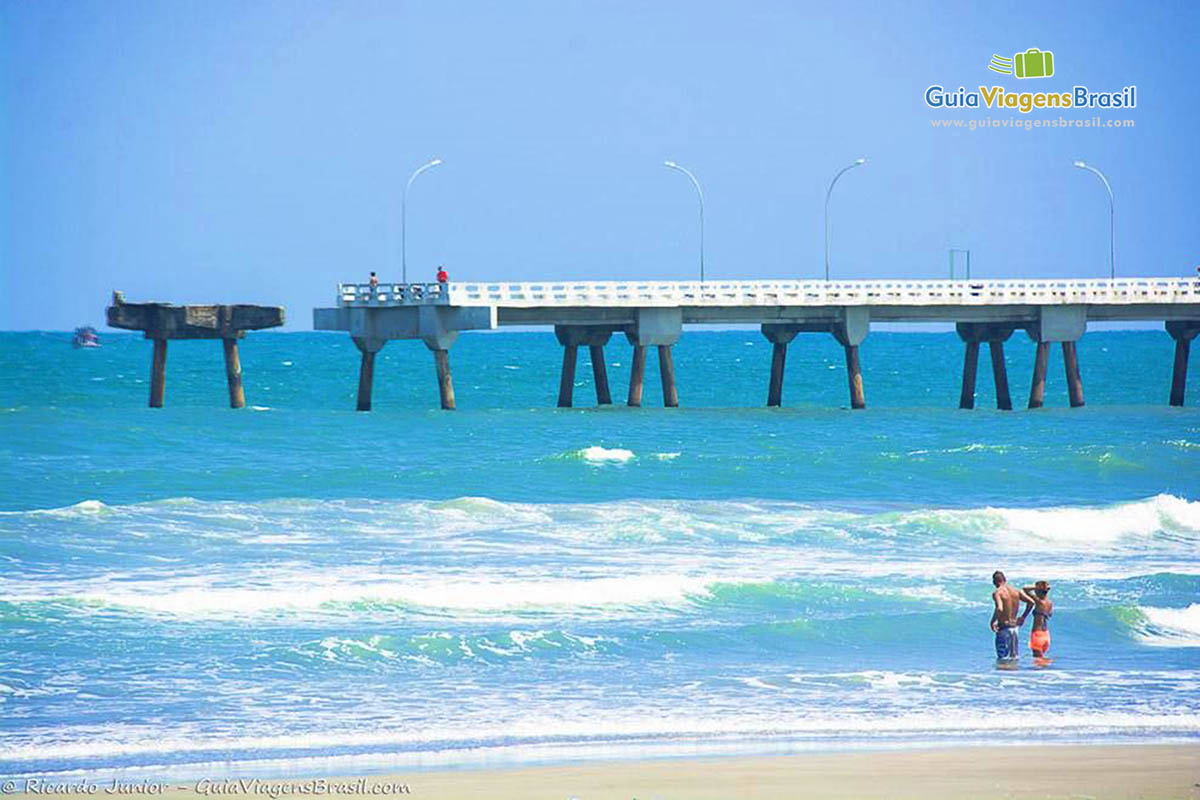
(671, 164)
(860, 162)
(435, 162)
(1080, 164)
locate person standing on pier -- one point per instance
(1004, 618)
(374, 281)
(442, 275)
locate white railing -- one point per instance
(1123, 291)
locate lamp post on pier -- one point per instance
(1112, 228)
(829, 192)
(404, 217)
(700, 195)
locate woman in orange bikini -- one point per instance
(1043, 609)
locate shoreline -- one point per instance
(1100, 771)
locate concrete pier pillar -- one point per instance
(966, 398)
(1179, 372)
(572, 337)
(637, 375)
(600, 375)
(158, 373)
(366, 371)
(1182, 333)
(854, 373)
(654, 327)
(775, 383)
(780, 336)
(995, 334)
(161, 322)
(1000, 375)
(441, 359)
(1074, 381)
(850, 332)
(666, 369)
(1037, 390)
(233, 374)
(566, 383)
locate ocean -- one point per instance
(298, 588)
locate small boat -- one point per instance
(85, 337)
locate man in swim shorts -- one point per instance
(1004, 617)
(1043, 609)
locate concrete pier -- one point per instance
(572, 337)
(380, 319)
(973, 335)
(654, 313)
(161, 322)
(1182, 333)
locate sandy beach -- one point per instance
(1098, 772)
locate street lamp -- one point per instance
(404, 217)
(828, 192)
(700, 195)
(1112, 228)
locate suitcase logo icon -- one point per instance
(1033, 63)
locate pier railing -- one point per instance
(773, 293)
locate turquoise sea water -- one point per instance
(299, 587)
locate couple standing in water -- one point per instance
(1006, 622)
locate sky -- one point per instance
(256, 152)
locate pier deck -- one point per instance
(653, 313)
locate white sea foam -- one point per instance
(648, 724)
(1170, 627)
(1065, 527)
(604, 455)
(300, 590)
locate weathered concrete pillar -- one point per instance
(659, 327)
(966, 398)
(854, 373)
(572, 337)
(1179, 372)
(566, 383)
(779, 336)
(600, 375)
(995, 334)
(1182, 333)
(233, 374)
(637, 375)
(441, 358)
(775, 382)
(161, 322)
(158, 373)
(1074, 381)
(366, 370)
(666, 369)
(1000, 375)
(850, 332)
(1041, 360)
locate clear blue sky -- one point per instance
(255, 151)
